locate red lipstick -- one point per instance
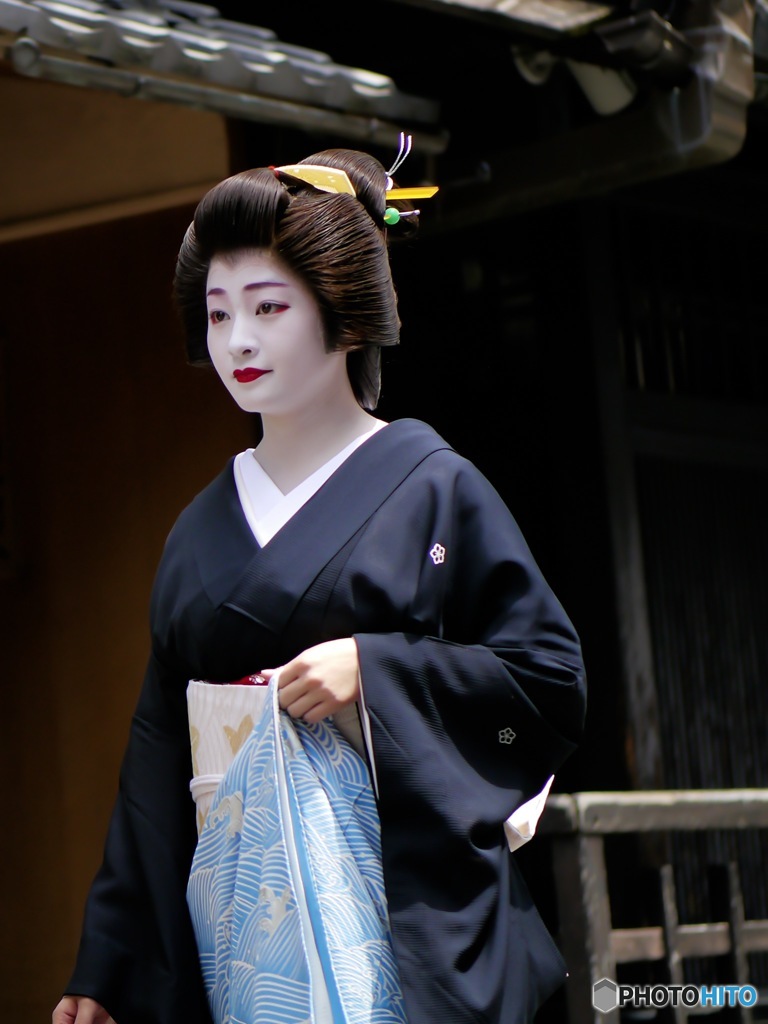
(249, 374)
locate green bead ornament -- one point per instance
(391, 215)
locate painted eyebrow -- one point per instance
(250, 287)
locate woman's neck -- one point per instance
(293, 447)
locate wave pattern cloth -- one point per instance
(286, 891)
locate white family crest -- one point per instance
(437, 554)
(506, 735)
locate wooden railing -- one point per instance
(577, 826)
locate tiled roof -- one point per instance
(186, 52)
(531, 16)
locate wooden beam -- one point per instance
(629, 945)
(642, 732)
(675, 810)
(102, 212)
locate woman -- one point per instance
(383, 576)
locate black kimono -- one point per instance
(474, 684)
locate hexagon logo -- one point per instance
(605, 995)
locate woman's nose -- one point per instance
(243, 338)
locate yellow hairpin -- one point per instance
(327, 179)
(391, 214)
(331, 179)
(412, 193)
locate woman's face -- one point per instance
(265, 337)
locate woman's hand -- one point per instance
(80, 1010)
(320, 681)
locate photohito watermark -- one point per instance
(609, 995)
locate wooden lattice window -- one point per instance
(693, 307)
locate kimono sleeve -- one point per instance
(470, 724)
(466, 726)
(137, 953)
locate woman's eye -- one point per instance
(216, 316)
(268, 307)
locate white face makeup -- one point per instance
(265, 337)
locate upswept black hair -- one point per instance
(336, 243)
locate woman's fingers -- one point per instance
(320, 681)
(80, 1010)
(65, 1012)
(301, 694)
(302, 707)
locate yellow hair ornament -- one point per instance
(327, 179)
(391, 215)
(331, 179)
(412, 193)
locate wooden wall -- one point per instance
(72, 156)
(107, 434)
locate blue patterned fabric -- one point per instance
(286, 890)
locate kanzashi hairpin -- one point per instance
(424, 192)
(326, 179)
(332, 179)
(392, 215)
(406, 144)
